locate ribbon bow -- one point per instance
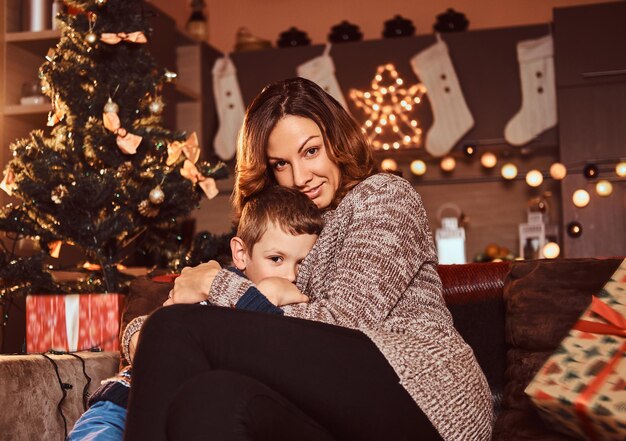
(55, 115)
(114, 38)
(8, 183)
(191, 172)
(127, 142)
(189, 148)
(616, 326)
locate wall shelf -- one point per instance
(31, 109)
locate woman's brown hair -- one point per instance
(346, 145)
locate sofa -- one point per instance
(513, 314)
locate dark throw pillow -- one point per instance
(543, 300)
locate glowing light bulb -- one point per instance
(581, 198)
(534, 178)
(389, 164)
(551, 250)
(558, 171)
(378, 130)
(620, 169)
(488, 160)
(604, 188)
(509, 171)
(418, 167)
(447, 164)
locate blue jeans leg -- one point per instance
(104, 421)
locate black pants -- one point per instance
(207, 373)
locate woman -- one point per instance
(386, 361)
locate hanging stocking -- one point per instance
(538, 112)
(321, 70)
(230, 107)
(451, 117)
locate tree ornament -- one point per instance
(147, 209)
(111, 106)
(156, 106)
(170, 76)
(91, 38)
(156, 196)
(101, 3)
(58, 193)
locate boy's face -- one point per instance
(277, 254)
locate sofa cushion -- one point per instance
(543, 300)
(473, 294)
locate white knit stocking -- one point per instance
(321, 70)
(230, 107)
(451, 117)
(538, 111)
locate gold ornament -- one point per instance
(58, 193)
(156, 196)
(91, 38)
(111, 107)
(147, 209)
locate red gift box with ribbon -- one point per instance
(73, 322)
(581, 389)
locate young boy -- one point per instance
(276, 231)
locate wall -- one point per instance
(267, 19)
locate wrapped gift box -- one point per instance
(581, 389)
(73, 322)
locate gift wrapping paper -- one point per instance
(581, 389)
(73, 322)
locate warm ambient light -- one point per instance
(389, 165)
(387, 108)
(620, 169)
(418, 167)
(534, 178)
(488, 160)
(551, 250)
(604, 188)
(558, 171)
(448, 164)
(509, 171)
(581, 198)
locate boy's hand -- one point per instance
(194, 283)
(281, 291)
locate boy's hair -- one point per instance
(289, 209)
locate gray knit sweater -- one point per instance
(373, 268)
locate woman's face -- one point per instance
(298, 157)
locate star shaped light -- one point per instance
(388, 107)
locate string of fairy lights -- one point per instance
(388, 107)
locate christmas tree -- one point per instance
(106, 174)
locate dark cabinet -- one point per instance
(590, 44)
(590, 56)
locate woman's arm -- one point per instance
(386, 246)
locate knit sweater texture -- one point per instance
(373, 268)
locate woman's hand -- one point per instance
(193, 284)
(281, 291)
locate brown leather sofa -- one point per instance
(513, 315)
